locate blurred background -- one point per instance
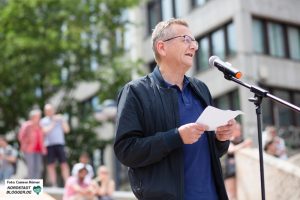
(77, 55)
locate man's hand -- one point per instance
(190, 133)
(58, 118)
(224, 133)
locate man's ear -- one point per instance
(161, 48)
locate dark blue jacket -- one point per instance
(148, 142)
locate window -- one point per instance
(294, 42)
(276, 39)
(283, 115)
(267, 112)
(230, 32)
(280, 115)
(167, 9)
(297, 103)
(229, 101)
(159, 10)
(275, 36)
(220, 42)
(178, 7)
(196, 3)
(258, 36)
(203, 53)
(154, 14)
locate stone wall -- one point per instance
(282, 178)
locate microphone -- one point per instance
(224, 67)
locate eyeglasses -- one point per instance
(187, 39)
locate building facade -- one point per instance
(261, 38)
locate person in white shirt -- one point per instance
(84, 159)
(54, 127)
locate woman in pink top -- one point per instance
(77, 187)
(31, 138)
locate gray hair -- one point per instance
(161, 31)
(34, 112)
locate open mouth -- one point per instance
(189, 54)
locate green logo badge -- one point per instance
(37, 189)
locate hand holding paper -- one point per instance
(214, 117)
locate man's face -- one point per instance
(49, 110)
(181, 50)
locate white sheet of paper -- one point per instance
(214, 117)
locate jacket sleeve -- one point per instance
(222, 147)
(133, 147)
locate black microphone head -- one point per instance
(212, 60)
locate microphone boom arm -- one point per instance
(259, 94)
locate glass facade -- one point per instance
(229, 100)
(275, 36)
(283, 115)
(199, 2)
(294, 42)
(231, 38)
(258, 35)
(167, 9)
(178, 7)
(297, 103)
(159, 10)
(220, 42)
(154, 14)
(280, 115)
(203, 53)
(276, 39)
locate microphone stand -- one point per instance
(259, 94)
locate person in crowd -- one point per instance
(8, 158)
(236, 143)
(84, 159)
(54, 127)
(103, 185)
(31, 140)
(169, 155)
(272, 135)
(271, 148)
(77, 187)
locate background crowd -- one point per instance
(44, 138)
(42, 142)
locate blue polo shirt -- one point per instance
(198, 176)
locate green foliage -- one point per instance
(40, 39)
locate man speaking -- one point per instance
(170, 157)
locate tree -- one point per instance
(50, 45)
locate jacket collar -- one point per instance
(156, 75)
(160, 80)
